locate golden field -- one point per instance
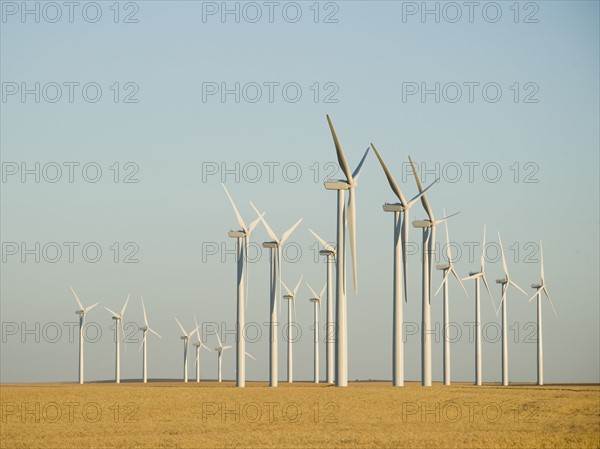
(301, 415)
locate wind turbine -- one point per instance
(477, 276)
(428, 227)
(220, 350)
(291, 298)
(329, 252)
(185, 337)
(538, 293)
(145, 328)
(447, 268)
(275, 273)
(81, 312)
(118, 317)
(198, 345)
(316, 300)
(343, 215)
(401, 228)
(505, 282)
(243, 240)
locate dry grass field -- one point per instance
(302, 415)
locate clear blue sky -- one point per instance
(174, 135)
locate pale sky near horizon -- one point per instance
(521, 156)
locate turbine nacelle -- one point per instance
(314, 299)
(473, 273)
(288, 297)
(326, 252)
(422, 224)
(143, 328)
(337, 184)
(80, 312)
(502, 281)
(393, 207)
(237, 234)
(537, 286)
(445, 266)
(270, 245)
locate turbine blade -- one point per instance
(424, 200)
(444, 280)
(504, 267)
(197, 327)
(205, 347)
(142, 343)
(458, 279)
(404, 238)
(181, 327)
(272, 235)
(542, 263)
(125, 305)
(340, 154)
(551, 303)
(115, 314)
(219, 339)
(488, 290)
(356, 172)
(77, 299)
(321, 293)
(123, 335)
(144, 309)
(325, 245)
(91, 307)
(154, 332)
(250, 355)
(483, 251)
(504, 289)
(469, 278)
(311, 290)
(255, 223)
(420, 194)
(235, 210)
(517, 287)
(298, 285)
(287, 233)
(287, 289)
(442, 220)
(534, 295)
(246, 267)
(390, 178)
(227, 347)
(352, 231)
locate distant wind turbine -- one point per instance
(275, 276)
(477, 276)
(538, 293)
(118, 317)
(401, 227)
(81, 312)
(329, 252)
(344, 215)
(220, 349)
(198, 345)
(505, 282)
(243, 240)
(185, 337)
(144, 345)
(447, 268)
(291, 298)
(316, 300)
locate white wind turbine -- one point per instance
(275, 274)
(145, 328)
(118, 317)
(243, 240)
(185, 337)
(198, 345)
(220, 350)
(428, 227)
(81, 312)
(505, 282)
(343, 216)
(477, 276)
(447, 268)
(329, 252)
(401, 227)
(316, 300)
(538, 293)
(291, 299)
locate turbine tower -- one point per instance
(505, 282)
(447, 268)
(343, 216)
(220, 350)
(538, 293)
(81, 312)
(428, 227)
(291, 299)
(145, 328)
(243, 240)
(329, 252)
(275, 274)
(185, 337)
(118, 317)
(477, 276)
(198, 345)
(401, 227)
(316, 300)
